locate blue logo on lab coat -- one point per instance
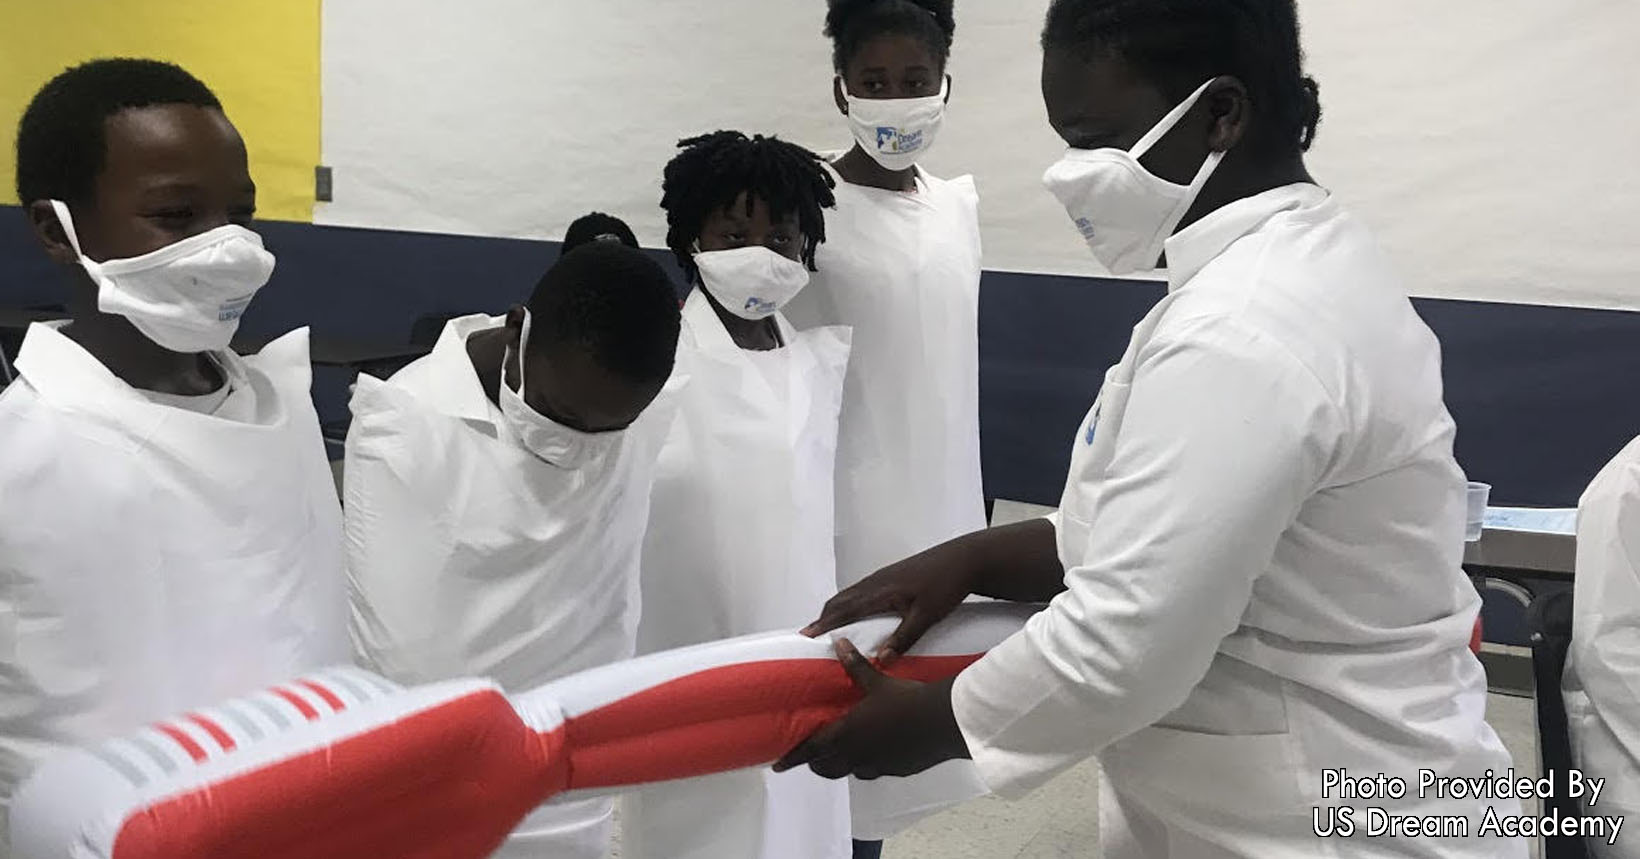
(891, 142)
(1093, 425)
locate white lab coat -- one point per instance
(740, 542)
(903, 270)
(469, 556)
(153, 559)
(1262, 533)
(1602, 679)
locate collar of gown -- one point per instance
(708, 332)
(63, 371)
(450, 370)
(1192, 248)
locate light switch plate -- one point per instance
(322, 189)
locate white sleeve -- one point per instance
(1224, 436)
(397, 539)
(1604, 661)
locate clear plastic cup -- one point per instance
(1478, 495)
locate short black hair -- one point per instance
(616, 303)
(715, 169)
(1179, 44)
(596, 226)
(61, 139)
(852, 23)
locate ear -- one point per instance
(947, 89)
(515, 324)
(1230, 113)
(839, 94)
(49, 232)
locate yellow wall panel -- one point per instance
(261, 57)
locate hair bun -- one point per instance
(944, 12)
(841, 14)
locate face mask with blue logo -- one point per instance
(186, 297)
(752, 282)
(1124, 212)
(896, 132)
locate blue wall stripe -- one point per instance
(1543, 396)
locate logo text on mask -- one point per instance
(760, 306)
(893, 141)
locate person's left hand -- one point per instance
(900, 728)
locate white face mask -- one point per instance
(1124, 211)
(752, 282)
(187, 296)
(895, 132)
(552, 442)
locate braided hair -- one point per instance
(713, 170)
(1177, 44)
(852, 23)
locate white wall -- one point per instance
(1486, 140)
(1489, 142)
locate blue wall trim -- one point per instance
(1543, 396)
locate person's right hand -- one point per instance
(922, 589)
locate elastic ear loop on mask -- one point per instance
(1209, 164)
(694, 252)
(523, 345)
(1195, 189)
(67, 223)
(1168, 121)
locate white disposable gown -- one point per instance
(1262, 534)
(1602, 680)
(902, 269)
(468, 555)
(155, 559)
(740, 542)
